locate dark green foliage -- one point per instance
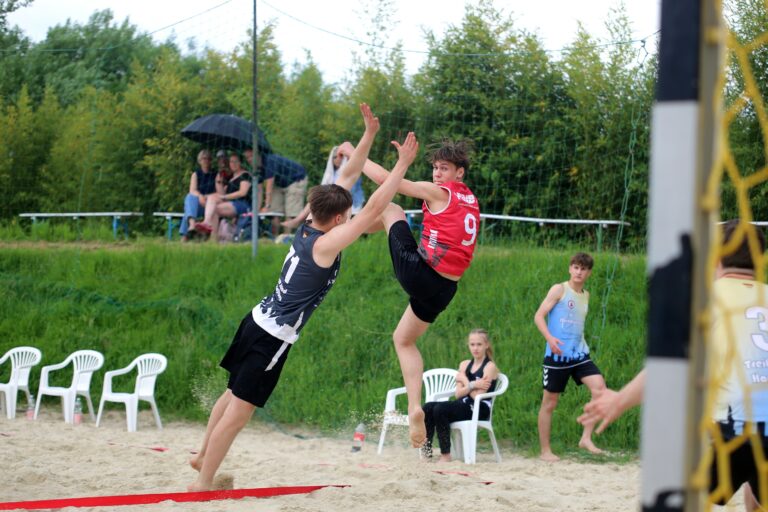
(94, 117)
(187, 301)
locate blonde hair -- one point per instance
(203, 153)
(484, 334)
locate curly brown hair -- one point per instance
(457, 152)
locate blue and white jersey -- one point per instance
(300, 290)
(738, 362)
(566, 322)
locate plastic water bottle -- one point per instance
(31, 407)
(358, 438)
(78, 416)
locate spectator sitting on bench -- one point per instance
(285, 183)
(223, 165)
(235, 201)
(202, 183)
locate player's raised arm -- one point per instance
(340, 237)
(424, 190)
(351, 171)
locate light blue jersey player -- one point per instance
(560, 319)
(565, 322)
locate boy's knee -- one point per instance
(596, 386)
(393, 208)
(401, 340)
(391, 214)
(549, 402)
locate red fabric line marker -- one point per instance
(372, 466)
(153, 448)
(449, 472)
(144, 499)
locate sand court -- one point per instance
(47, 459)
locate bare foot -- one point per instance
(198, 487)
(416, 427)
(196, 463)
(549, 457)
(590, 447)
(444, 458)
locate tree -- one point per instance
(27, 137)
(299, 132)
(490, 83)
(7, 7)
(98, 54)
(746, 91)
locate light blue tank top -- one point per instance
(566, 323)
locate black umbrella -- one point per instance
(225, 131)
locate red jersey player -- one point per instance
(429, 270)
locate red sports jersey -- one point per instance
(449, 236)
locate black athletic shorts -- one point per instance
(742, 462)
(254, 361)
(429, 292)
(555, 375)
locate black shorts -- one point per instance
(555, 376)
(254, 361)
(742, 463)
(429, 292)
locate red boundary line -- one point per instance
(144, 499)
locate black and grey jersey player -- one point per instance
(267, 333)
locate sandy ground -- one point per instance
(47, 459)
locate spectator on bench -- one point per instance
(235, 201)
(285, 183)
(202, 183)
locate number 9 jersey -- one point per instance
(449, 236)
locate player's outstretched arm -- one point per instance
(350, 172)
(424, 190)
(333, 242)
(610, 405)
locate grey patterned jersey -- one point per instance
(300, 290)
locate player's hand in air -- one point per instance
(371, 121)
(408, 150)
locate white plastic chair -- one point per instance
(84, 363)
(435, 381)
(149, 366)
(464, 433)
(22, 361)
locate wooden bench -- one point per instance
(119, 219)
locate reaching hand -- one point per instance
(407, 152)
(345, 149)
(554, 345)
(605, 407)
(371, 121)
